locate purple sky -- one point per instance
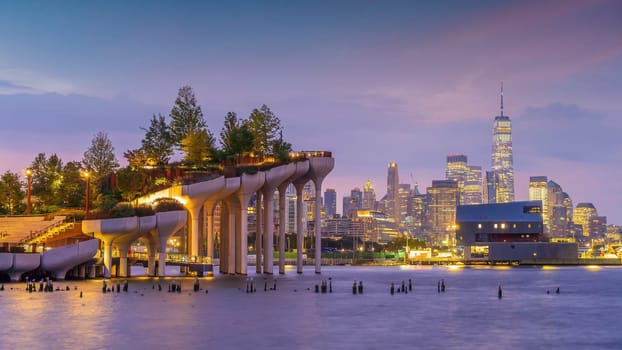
(372, 81)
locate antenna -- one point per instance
(502, 98)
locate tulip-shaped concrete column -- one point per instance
(259, 229)
(152, 240)
(248, 185)
(299, 185)
(274, 177)
(195, 196)
(318, 169)
(227, 239)
(167, 223)
(145, 224)
(231, 185)
(107, 230)
(302, 168)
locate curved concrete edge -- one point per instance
(63, 259)
(145, 224)
(275, 176)
(110, 226)
(23, 262)
(6, 261)
(250, 183)
(320, 167)
(197, 193)
(169, 222)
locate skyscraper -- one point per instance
(473, 186)
(442, 208)
(538, 191)
(393, 188)
(369, 197)
(457, 170)
(584, 215)
(502, 158)
(330, 202)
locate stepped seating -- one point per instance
(19, 229)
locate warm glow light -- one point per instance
(592, 267)
(455, 267)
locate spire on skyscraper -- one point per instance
(502, 98)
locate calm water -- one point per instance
(585, 315)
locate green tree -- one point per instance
(158, 141)
(99, 159)
(11, 193)
(264, 126)
(136, 158)
(46, 178)
(235, 137)
(198, 146)
(186, 116)
(281, 149)
(130, 182)
(72, 188)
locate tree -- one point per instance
(158, 142)
(130, 182)
(186, 116)
(136, 158)
(198, 146)
(235, 137)
(11, 193)
(71, 190)
(264, 126)
(99, 159)
(281, 149)
(47, 178)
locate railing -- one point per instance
(174, 258)
(48, 232)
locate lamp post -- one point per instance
(28, 188)
(86, 176)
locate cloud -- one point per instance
(567, 132)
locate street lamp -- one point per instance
(86, 175)
(28, 188)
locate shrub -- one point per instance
(122, 210)
(167, 204)
(144, 210)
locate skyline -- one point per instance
(372, 82)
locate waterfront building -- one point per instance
(392, 197)
(502, 157)
(507, 232)
(369, 197)
(330, 202)
(377, 226)
(456, 169)
(442, 209)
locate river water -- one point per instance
(584, 315)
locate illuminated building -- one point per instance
(369, 197)
(442, 208)
(392, 197)
(377, 226)
(507, 232)
(330, 202)
(502, 158)
(538, 191)
(456, 170)
(404, 193)
(584, 215)
(473, 186)
(353, 202)
(490, 188)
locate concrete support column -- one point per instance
(153, 246)
(318, 227)
(282, 213)
(242, 240)
(210, 233)
(258, 236)
(268, 233)
(224, 238)
(107, 257)
(231, 240)
(82, 272)
(162, 262)
(195, 231)
(92, 271)
(299, 226)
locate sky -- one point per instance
(371, 81)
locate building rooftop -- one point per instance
(526, 211)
